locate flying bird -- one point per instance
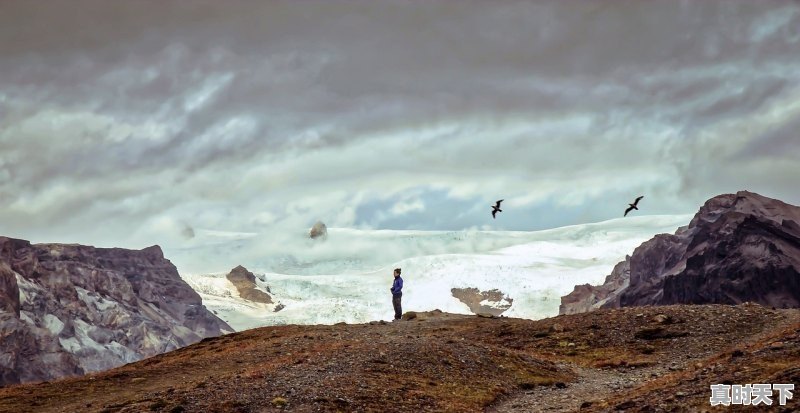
(496, 208)
(633, 206)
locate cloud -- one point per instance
(125, 118)
(402, 208)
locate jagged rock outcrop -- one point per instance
(738, 247)
(492, 302)
(586, 297)
(245, 283)
(67, 310)
(319, 230)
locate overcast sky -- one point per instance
(131, 123)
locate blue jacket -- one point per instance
(397, 286)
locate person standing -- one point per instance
(397, 294)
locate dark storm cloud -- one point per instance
(255, 116)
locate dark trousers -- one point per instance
(398, 309)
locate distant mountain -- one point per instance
(67, 310)
(738, 247)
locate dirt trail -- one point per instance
(596, 385)
(592, 385)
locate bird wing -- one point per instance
(630, 208)
(636, 202)
(498, 203)
(494, 211)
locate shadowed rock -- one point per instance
(738, 247)
(245, 283)
(72, 309)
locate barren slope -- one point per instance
(440, 362)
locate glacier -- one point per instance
(346, 278)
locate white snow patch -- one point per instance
(92, 299)
(82, 334)
(24, 316)
(70, 345)
(503, 303)
(53, 323)
(27, 289)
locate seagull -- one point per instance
(633, 206)
(496, 208)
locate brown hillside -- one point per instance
(440, 362)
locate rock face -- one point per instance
(67, 310)
(587, 297)
(492, 302)
(245, 283)
(319, 230)
(738, 247)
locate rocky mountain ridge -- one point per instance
(71, 309)
(738, 247)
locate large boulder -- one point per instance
(319, 230)
(492, 302)
(72, 309)
(245, 283)
(738, 247)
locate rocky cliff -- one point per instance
(738, 247)
(67, 310)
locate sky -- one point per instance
(133, 123)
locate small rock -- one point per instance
(662, 319)
(776, 345)
(556, 328)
